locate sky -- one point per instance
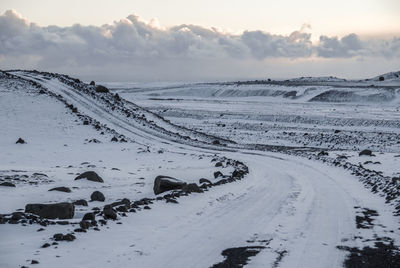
(158, 40)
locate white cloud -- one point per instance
(132, 42)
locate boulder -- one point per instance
(88, 217)
(165, 183)
(7, 184)
(109, 213)
(92, 83)
(97, 196)
(61, 237)
(218, 164)
(218, 174)
(90, 176)
(52, 211)
(192, 188)
(323, 153)
(61, 189)
(81, 202)
(366, 152)
(102, 89)
(20, 141)
(202, 180)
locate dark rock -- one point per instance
(92, 83)
(16, 216)
(61, 189)
(146, 207)
(216, 142)
(218, 164)
(165, 183)
(109, 213)
(81, 202)
(366, 152)
(171, 200)
(20, 141)
(102, 89)
(46, 245)
(80, 230)
(97, 196)
(88, 217)
(90, 176)
(52, 211)
(34, 262)
(202, 180)
(86, 122)
(323, 153)
(8, 184)
(125, 202)
(114, 139)
(61, 237)
(192, 188)
(337, 131)
(218, 174)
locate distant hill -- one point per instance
(392, 76)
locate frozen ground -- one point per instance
(296, 207)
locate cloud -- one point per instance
(133, 42)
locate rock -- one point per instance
(192, 188)
(97, 196)
(52, 211)
(88, 217)
(366, 152)
(92, 83)
(202, 180)
(216, 142)
(16, 216)
(61, 189)
(85, 225)
(7, 184)
(86, 122)
(20, 141)
(165, 183)
(218, 174)
(323, 153)
(61, 237)
(102, 89)
(218, 164)
(90, 176)
(81, 202)
(171, 200)
(114, 139)
(34, 262)
(124, 202)
(109, 213)
(46, 245)
(337, 131)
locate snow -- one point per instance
(299, 208)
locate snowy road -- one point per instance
(299, 210)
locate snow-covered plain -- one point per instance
(295, 208)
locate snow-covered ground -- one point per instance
(295, 208)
